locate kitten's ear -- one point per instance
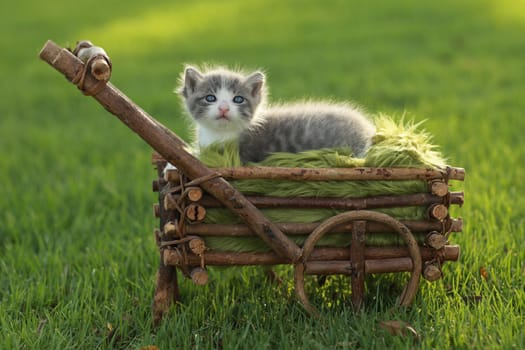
(255, 82)
(191, 78)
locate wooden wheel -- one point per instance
(410, 289)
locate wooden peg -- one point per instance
(436, 240)
(439, 188)
(156, 210)
(194, 193)
(157, 185)
(199, 276)
(171, 257)
(438, 211)
(170, 229)
(195, 212)
(197, 246)
(157, 235)
(431, 273)
(169, 202)
(171, 175)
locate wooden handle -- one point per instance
(172, 148)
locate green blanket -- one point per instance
(396, 144)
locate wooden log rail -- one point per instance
(209, 230)
(331, 174)
(376, 254)
(170, 146)
(340, 174)
(373, 202)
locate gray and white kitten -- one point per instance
(229, 105)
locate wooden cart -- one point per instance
(185, 194)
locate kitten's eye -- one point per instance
(238, 99)
(210, 98)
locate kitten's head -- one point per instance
(221, 99)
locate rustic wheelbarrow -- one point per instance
(187, 192)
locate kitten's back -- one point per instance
(306, 126)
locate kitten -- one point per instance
(229, 105)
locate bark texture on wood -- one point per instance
(166, 291)
(157, 185)
(372, 202)
(171, 175)
(336, 267)
(212, 258)
(357, 254)
(337, 174)
(332, 174)
(307, 228)
(170, 202)
(156, 210)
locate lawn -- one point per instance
(77, 253)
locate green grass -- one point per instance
(77, 257)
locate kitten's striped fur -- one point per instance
(228, 104)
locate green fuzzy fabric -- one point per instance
(396, 144)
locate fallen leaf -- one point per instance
(484, 273)
(399, 328)
(150, 347)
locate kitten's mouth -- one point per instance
(222, 117)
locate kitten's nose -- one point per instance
(224, 107)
